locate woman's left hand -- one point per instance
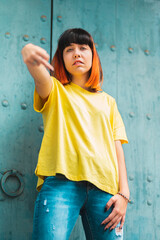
(118, 213)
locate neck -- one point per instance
(80, 80)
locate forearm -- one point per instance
(41, 78)
(123, 182)
(118, 202)
(39, 73)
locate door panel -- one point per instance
(138, 99)
(21, 22)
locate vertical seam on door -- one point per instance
(51, 31)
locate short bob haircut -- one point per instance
(78, 36)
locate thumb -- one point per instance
(110, 203)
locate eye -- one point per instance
(83, 48)
(69, 49)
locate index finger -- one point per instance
(42, 53)
(110, 217)
(47, 65)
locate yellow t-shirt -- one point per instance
(79, 132)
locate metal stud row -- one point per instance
(5, 103)
(149, 202)
(130, 50)
(43, 41)
(24, 107)
(132, 115)
(26, 38)
(149, 178)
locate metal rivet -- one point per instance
(148, 116)
(149, 202)
(59, 18)
(25, 37)
(130, 50)
(41, 128)
(113, 48)
(5, 103)
(146, 52)
(131, 177)
(149, 179)
(131, 114)
(43, 18)
(7, 35)
(24, 106)
(43, 40)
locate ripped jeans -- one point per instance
(59, 204)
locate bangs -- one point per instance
(75, 35)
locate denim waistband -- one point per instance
(89, 185)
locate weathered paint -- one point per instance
(127, 39)
(20, 137)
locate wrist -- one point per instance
(124, 196)
(125, 192)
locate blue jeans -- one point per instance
(59, 204)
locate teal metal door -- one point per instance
(20, 127)
(127, 38)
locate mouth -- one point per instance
(77, 62)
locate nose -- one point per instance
(77, 53)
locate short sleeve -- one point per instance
(119, 132)
(37, 100)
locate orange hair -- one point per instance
(96, 74)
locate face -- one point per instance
(78, 59)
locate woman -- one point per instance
(81, 167)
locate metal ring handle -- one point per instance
(12, 173)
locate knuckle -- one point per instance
(28, 46)
(32, 54)
(27, 59)
(104, 222)
(108, 219)
(47, 56)
(117, 211)
(112, 199)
